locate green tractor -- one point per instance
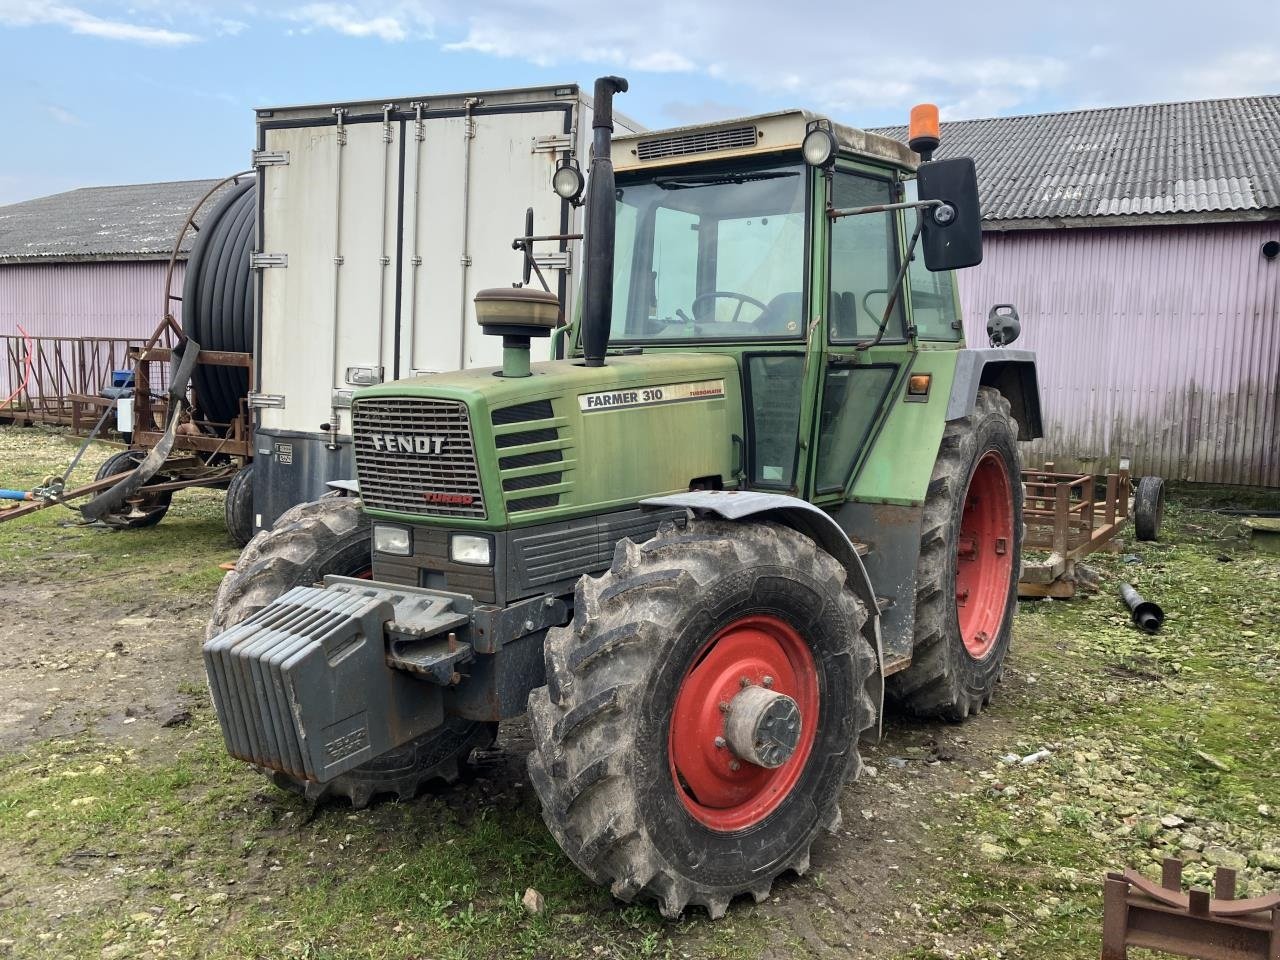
(766, 490)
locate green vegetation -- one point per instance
(147, 841)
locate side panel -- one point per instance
(465, 202)
(296, 307)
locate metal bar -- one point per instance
(836, 214)
(1115, 919)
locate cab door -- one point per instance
(863, 256)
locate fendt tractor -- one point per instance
(766, 489)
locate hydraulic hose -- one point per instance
(217, 300)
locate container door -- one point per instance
(329, 219)
(468, 182)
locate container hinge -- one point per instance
(560, 260)
(555, 143)
(363, 376)
(384, 260)
(260, 261)
(416, 261)
(262, 401)
(342, 399)
(270, 158)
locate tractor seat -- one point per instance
(784, 315)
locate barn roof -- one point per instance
(131, 222)
(1201, 160)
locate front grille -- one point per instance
(680, 145)
(415, 455)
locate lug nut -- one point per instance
(767, 681)
(720, 742)
(724, 706)
(744, 683)
(734, 765)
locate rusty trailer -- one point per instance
(1064, 516)
(1138, 913)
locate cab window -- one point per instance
(864, 261)
(934, 308)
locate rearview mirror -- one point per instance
(952, 235)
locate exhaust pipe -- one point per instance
(597, 285)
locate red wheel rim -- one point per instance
(759, 648)
(984, 555)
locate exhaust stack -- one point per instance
(597, 285)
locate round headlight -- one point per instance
(567, 182)
(819, 147)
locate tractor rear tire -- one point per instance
(237, 508)
(332, 536)
(637, 781)
(133, 516)
(966, 589)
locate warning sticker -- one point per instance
(652, 396)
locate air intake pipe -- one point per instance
(597, 286)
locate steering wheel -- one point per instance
(875, 317)
(742, 299)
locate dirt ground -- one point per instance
(125, 831)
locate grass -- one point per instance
(170, 849)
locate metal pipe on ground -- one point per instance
(1146, 614)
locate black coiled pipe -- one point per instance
(217, 300)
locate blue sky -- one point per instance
(129, 92)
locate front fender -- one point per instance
(818, 526)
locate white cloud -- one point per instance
(63, 115)
(389, 23)
(1237, 74)
(27, 13)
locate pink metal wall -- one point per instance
(82, 300)
(1160, 343)
(85, 299)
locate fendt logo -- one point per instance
(407, 443)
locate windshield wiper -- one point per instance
(718, 179)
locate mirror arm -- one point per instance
(883, 208)
(902, 272)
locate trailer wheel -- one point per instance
(966, 586)
(148, 510)
(1148, 508)
(701, 714)
(332, 536)
(237, 509)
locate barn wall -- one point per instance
(1160, 343)
(82, 300)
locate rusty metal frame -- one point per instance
(1063, 515)
(1138, 913)
(66, 375)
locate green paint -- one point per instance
(865, 443)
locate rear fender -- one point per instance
(1012, 372)
(818, 526)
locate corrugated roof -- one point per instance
(132, 222)
(1199, 157)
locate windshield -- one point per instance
(716, 256)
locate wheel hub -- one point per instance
(763, 727)
(738, 740)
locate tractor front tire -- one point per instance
(640, 760)
(970, 560)
(332, 536)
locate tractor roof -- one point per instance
(748, 136)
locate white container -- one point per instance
(378, 222)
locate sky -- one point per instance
(107, 92)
